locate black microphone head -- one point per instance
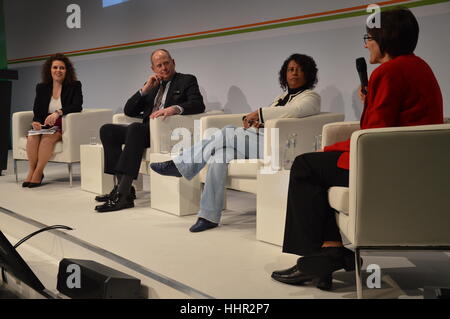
(361, 65)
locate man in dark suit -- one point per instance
(165, 93)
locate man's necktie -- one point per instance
(159, 96)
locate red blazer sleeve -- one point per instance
(384, 100)
(381, 108)
(401, 92)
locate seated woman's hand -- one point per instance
(36, 126)
(362, 96)
(251, 120)
(51, 119)
(245, 123)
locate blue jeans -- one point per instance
(225, 145)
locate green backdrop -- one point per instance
(3, 61)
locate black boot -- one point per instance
(122, 198)
(118, 202)
(106, 197)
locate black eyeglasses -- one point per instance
(367, 37)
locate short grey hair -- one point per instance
(157, 50)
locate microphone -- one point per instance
(361, 67)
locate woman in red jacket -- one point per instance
(402, 91)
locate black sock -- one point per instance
(125, 185)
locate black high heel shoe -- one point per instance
(33, 185)
(25, 184)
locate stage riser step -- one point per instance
(52, 248)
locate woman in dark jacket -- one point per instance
(58, 94)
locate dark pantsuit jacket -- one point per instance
(71, 99)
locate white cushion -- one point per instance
(344, 223)
(243, 168)
(338, 198)
(146, 155)
(23, 145)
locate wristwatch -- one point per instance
(60, 113)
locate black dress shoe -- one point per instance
(167, 168)
(318, 267)
(106, 197)
(292, 276)
(201, 225)
(286, 271)
(327, 260)
(118, 202)
(33, 185)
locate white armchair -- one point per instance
(165, 193)
(398, 195)
(77, 130)
(265, 177)
(242, 173)
(160, 131)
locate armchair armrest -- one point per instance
(21, 124)
(219, 121)
(162, 129)
(399, 183)
(338, 132)
(277, 131)
(79, 127)
(121, 118)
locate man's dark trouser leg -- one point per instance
(112, 137)
(126, 161)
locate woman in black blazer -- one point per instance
(58, 94)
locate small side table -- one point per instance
(173, 195)
(91, 166)
(271, 203)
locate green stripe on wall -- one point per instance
(3, 61)
(242, 31)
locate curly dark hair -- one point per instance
(399, 32)
(46, 74)
(308, 66)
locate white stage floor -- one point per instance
(225, 262)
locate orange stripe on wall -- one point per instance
(222, 29)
